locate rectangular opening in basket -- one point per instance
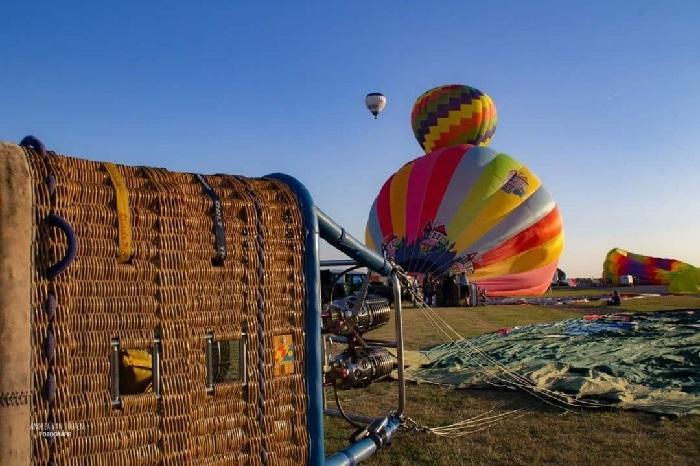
(227, 364)
(135, 371)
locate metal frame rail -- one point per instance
(381, 430)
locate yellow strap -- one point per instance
(123, 213)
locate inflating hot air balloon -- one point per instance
(453, 114)
(375, 103)
(647, 270)
(472, 209)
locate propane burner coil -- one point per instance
(343, 317)
(360, 366)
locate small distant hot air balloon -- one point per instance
(453, 114)
(375, 102)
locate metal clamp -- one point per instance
(155, 367)
(398, 321)
(114, 358)
(242, 359)
(209, 356)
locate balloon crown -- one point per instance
(453, 114)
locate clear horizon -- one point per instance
(600, 100)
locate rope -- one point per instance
(464, 427)
(515, 380)
(512, 379)
(260, 316)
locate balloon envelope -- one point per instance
(453, 114)
(471, 209)
(685, 281)
(647, 270)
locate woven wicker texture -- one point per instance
(173, 287)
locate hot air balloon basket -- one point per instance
(166, 321)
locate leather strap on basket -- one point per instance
(123, 213)
(217, 219)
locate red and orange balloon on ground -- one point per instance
(464, 206)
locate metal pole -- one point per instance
(355, 417)
(312, 321)
(398, 321)
(348, 244)
(338, 263)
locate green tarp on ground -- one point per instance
(645, 361)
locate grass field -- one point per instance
(567, 291)
(541, 434)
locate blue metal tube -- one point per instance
(338, 263)
(315, 223)
(364, 448)
(350, 456)
(345, 242)
(312, 324)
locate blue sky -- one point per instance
(600, 99)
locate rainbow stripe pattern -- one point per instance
(453, 114)
(472, 209)
(647, 270)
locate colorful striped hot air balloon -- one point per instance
(647, 270)
(472, 209)
(453, 114)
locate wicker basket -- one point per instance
(149, 275)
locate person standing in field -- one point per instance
(450, 291)
(428, 289)
(464, 288)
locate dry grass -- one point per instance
(567, 291)
(420, 333)
(541, 434)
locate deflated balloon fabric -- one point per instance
(645, 361)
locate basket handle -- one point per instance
(62, 224)
(33, 142)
